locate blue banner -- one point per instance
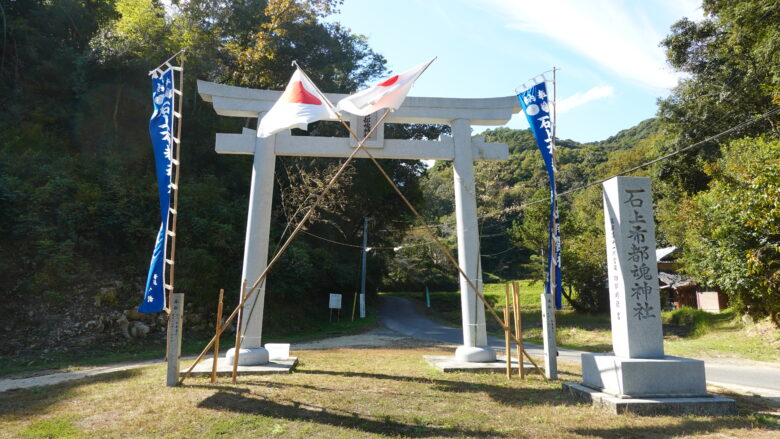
(161, 130)
(536, 107)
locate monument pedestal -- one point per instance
(701, 405)
(644, 377)
(248, 356)
(639, 378)
(475, 354)
(648, 386)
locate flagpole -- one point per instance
(151, 72)
(554, 265)
(176, 170)
(172, 349)
(551, 349)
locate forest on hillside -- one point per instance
(78, 195)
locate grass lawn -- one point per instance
(708, 335)
(347, 393)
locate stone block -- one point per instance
(475, 354)
(248, 356)
(225, 367)
(708, 405)
(450, 364)
(644, 377)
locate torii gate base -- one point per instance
(461, 148)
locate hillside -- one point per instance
(512, 238)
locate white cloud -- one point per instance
(580, 99)
(619, 36)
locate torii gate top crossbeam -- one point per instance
(234, 101)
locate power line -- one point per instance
(679, 151)
(643, 165)
(567, 192)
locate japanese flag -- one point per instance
(389, 93)
(300, 104)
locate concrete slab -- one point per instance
(451, 364)
(225, 368)
(706, 405)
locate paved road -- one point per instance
(400, 315)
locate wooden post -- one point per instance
(518, 327)
(239, 326)
(174, 338)
(354, 304)
(216, 343)
(507, 345)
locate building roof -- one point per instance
(675, 280)
(662, 254)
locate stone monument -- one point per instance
(638, 377)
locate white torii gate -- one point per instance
(460, 147)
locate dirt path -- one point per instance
(379, 337)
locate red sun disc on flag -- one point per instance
(296, 93)
(389, 81)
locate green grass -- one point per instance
(347, 393)
(721, 335)
(688, 332)
(698, 322)
(56, 427)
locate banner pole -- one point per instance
(174, 319)
(555, 231)
(176, 169)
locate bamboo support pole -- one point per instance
(354, 306)
(518, 327)
(176, 169)
(507, 344)
(284, 247)
(239, 327)
(216, 342)
(169, 262)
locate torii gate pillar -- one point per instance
(258, 230)
(475, 347)
(461, 148)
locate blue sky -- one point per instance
(612, 69)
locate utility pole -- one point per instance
(363, 270)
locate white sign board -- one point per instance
(174, 339)
(550, 348)
(335, 301)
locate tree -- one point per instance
(733, 228)
(732, 62)
(76, 169)
(732, 59)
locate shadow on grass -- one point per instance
(295, 411)
(686, 427)
(20, 403)
(754, 413)
(503, 395)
